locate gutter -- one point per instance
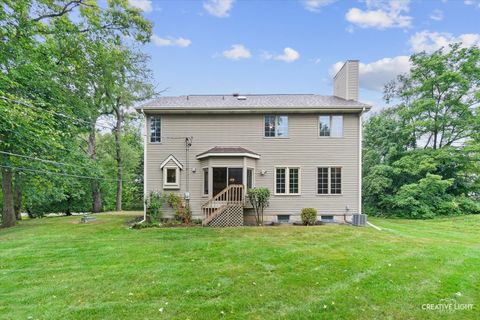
(144, 168)
(360, 140)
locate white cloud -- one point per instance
(374, 75)
(431, 41)
(170, 42)
(218, 8)
(436, 15)
(288, 55)
(381, 14)
(316, 5)
(144, 5)
(237, 52)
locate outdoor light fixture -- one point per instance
(263, 172)
(194, 170)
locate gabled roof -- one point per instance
(228, 152)
(248, 102)
(172, 158)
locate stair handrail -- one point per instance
(232, 194)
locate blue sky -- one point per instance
(290, 46)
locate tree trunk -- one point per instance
(8, 217)
(119, 158)
(92, 152)
(17, 198)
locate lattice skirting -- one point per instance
(230, 217)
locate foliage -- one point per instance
(53, 66)
(259, 198)
(309, 216)
(183, 212)
(422, 157)
(154, 205)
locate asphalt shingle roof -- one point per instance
(227, 150)
(252, 101)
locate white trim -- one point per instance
(246, 154)
(253, 176)
(145, 137)
(171, 157)
(287, 181)
(329, 181)
(276, 136)
(360, 140)
(171, 185)
(149, 133)
(203, 181)
(330, 115)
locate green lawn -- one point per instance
(56, 268)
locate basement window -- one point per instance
(283, 218)
(327, 218)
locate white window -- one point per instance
(205, 181)
(331, 126)
(171, 177)
(329, 180)
(276, 126)
(287, 180)
(155, 129)
(249, 178)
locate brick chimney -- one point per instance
(345, 82)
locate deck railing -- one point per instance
(231, 195)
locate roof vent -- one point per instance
(235, 94)
(241, 98)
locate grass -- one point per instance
(56, 268)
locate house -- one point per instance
(305, 148)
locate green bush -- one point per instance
(154, 206)
(309, 216)
(468, 206)
(425, 199)
(259, 198)
(183, 212)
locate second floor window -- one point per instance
(276, 126)
(331, 126)
(155, 129)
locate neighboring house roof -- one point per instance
(228, 152)
(172, 158)
(247, 102)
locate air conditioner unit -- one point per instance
(359, 220)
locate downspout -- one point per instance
(144, 169)
(360, 141)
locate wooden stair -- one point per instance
(226, 208)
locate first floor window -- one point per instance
(171, 177)
(276, 126)
(331, 126)
(329, 180)
(322, 187)
(155, 129)
(205, 181)
(287, 180)
(249, 178)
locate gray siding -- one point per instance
(303, 148)
(345, 83)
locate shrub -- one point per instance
(468, 206)
(259, 198)
(425, 199)
(309, 216)
(183, 212)
(154, 206)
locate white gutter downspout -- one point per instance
(144, 169)
(360, 140)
